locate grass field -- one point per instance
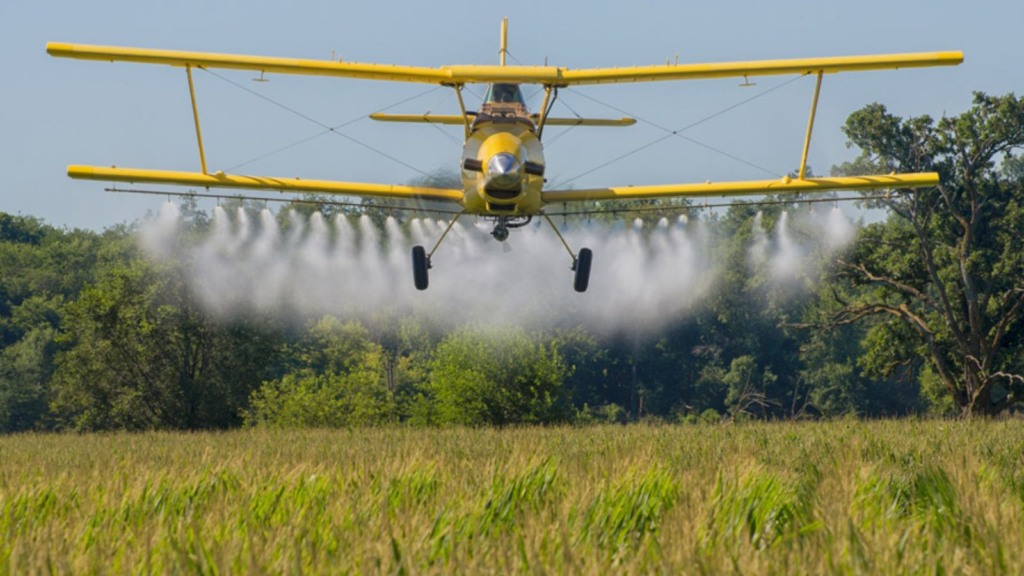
(843, 497)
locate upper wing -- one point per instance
(222, 180)
(551, 75)
(256, 63)
(740, 188)
(760, 68)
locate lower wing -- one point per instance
(744, 188)
(222, 180)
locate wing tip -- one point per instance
(59, 48)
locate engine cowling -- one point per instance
(503, 169)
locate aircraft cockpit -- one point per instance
(504, 94)
(504, 103)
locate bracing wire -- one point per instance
(559, 136)
(336, 127)
(327, 128)
(677, 132)
(440, 129)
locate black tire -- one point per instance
(582, 279)
(420, 267)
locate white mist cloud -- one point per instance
(787, 261)
(642, 277)
(792, 254)
(160, 234)
(839, 231)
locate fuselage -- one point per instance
(502, 159)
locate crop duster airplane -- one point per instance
(503, 162)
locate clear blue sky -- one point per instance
(57, 112)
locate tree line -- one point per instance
(921, 316)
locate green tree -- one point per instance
(598, 375)
(337, 377)
(948, 263)
(42, 268)
(749, 316)
(842, 376)
(497, 377)
(139, 354)
(25, 370)
(406, 342)
(329, 400)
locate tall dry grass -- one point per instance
(841, 497)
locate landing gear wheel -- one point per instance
(582, 269)
(420, 265)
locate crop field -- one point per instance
(920, 497)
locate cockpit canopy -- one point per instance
(504, 94)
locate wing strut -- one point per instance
(195, 116)
(580, 261)
(462, 108)
(421, 260)
(810, 127)
(560, 237)
(545, 107)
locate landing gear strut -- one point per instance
(502, 224)
(580, 263)
(421, 260)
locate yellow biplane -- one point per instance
(503, 163)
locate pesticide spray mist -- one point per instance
(644, 275)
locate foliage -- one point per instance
(139, 354)
(947, 264)
(331, 400)
(42, 269)
(339, 382)
(497, 376)
(24, 376)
